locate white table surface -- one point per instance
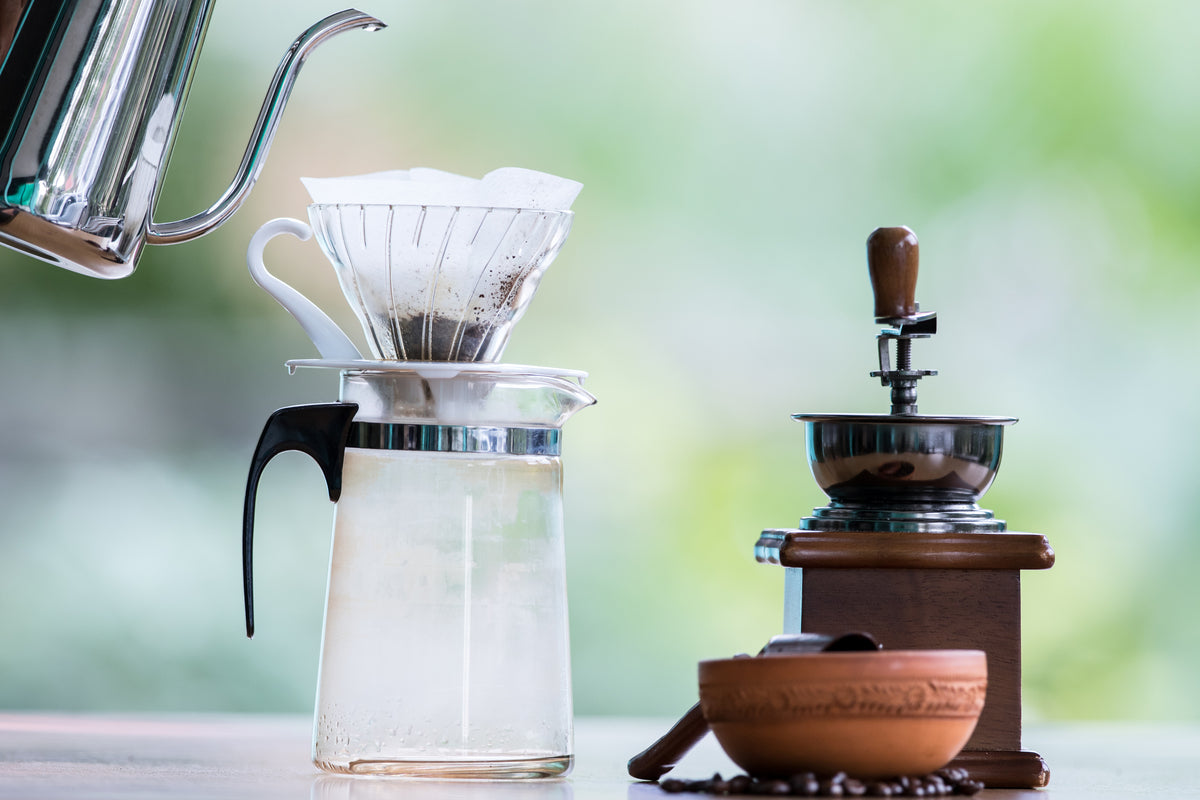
(252, 756)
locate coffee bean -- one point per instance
(830, 789)
(952, 775)
(804, 785)
(854, 787)
(969, 787)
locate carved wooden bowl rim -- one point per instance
(886, 684)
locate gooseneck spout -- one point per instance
(91, 96)
(264, 129)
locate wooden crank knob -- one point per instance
(892, 255)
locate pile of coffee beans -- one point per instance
(942, 783)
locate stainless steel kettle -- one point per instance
(92, 95)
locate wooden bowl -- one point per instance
(868, 714)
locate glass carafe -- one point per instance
(445, 648)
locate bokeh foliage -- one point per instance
(734, 157)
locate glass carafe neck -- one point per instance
(474, 395)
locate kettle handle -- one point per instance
(321, 431)
(331, 341)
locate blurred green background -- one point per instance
(734, 157)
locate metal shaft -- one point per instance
(904, 389)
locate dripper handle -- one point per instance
(331, 341)
(321, 431)
(892, 257)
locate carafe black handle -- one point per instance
(320, 430)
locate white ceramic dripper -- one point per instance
(442, 275)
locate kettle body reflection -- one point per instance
(445, 645)
(93, 92)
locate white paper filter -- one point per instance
(438, 266)
(507, 187)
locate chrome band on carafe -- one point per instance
(455, 438)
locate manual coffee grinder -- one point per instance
(903, 550)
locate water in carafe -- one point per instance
(448, 579)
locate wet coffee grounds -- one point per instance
(941, 783)
(438, 338)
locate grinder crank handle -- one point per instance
(661, 757)
(892, 257)
(322, 431)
